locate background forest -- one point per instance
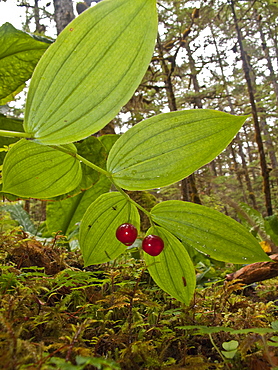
(220, 55)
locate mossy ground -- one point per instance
(59, 315)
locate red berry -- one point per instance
(153, 245)
(127, 234)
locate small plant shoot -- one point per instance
(79, 85)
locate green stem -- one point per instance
(216, 348)
(7, 133)
(93, 166)
(141, 208)
(133, 201)
(106, 173)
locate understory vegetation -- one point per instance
(113, 316)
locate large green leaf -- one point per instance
(64, 214)
(19, 54)
(208, 231)
(38, 171)
(166, 148)
(172, 269)
(98, 240)
(91, 71)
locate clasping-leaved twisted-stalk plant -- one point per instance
(78, 86)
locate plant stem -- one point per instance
(106, 173)
(133, 201)
(93, 166)
(7, 133)
(216, 348)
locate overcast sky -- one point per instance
(14, 14)
(11, 13)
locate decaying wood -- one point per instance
(255, 272)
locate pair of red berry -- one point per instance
(152, 244)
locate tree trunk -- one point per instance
(63, 13)
(258, 137)
(237, 140)
(193, 75)
(237, 170)
(189, 190)
(224, 81)
(167, 77)
(272, 76)
(246, 173)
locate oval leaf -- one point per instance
(166, 148)
(98, 240)
(91, 71)
(65, 214)
(209, 231)
(172, 269)
(38, 171)
(19, 54)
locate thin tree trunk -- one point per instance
(167, 78)
(258, 137)
(272, 76)
(237, 140)
(212, 168)
(185, 191)
(189, 190)
(193, 75)
(250, 149)
(63, 13)
(246, 174)
(237, 170)
(37, 15)
(270, 147)
(219, 59)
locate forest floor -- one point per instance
(54, 314)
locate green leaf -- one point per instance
(21, 216)
(229, 354)
(93, 150)
(91, 71)
(231, 345)
(217, 329)
(10, 125)
(205, 329)
(230, 349)
(273, 2)
(19, 54)
(271, 227)
(172, 269)
(98, 240)
(208, 231)
(249, 216)
(12, 96)
(168, 147)
(64, 214)
(274, 325)
(38, 171)
(108, 141)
